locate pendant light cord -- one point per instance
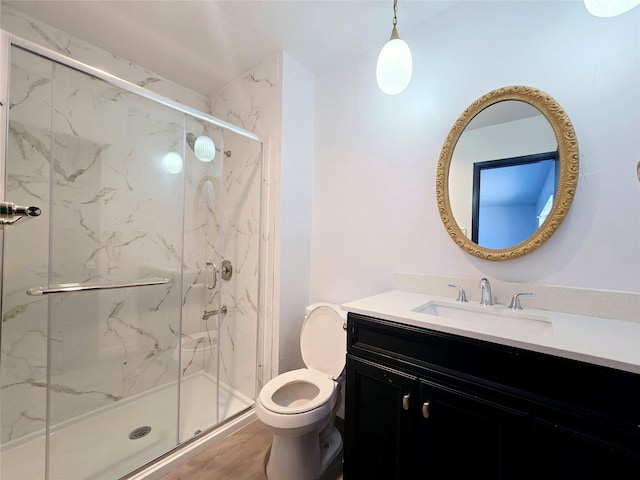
(395, 12)
(394, 31)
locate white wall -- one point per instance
(298, 90)
(374, 199)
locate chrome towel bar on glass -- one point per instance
(76, 287)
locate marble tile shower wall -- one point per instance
(250, 102)
(113, 356)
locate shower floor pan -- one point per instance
(97, 446)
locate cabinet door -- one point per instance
(568, 454)
(464, 436)
(380, 422)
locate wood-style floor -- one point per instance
(240, 456)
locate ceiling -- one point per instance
(205, 44)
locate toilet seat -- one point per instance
(282, 393)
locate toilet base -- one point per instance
(330, 447)
(305, 457)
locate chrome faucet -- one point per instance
(485, 294)
(210, 313)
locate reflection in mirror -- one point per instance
(508, 129)
(510, 160)
(511, 198)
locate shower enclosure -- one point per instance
(130, 294)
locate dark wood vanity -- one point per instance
(426, 404)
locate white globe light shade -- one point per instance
(172, 162)
(204, 148)
(395, 66)
(609, 8)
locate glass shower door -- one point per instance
(106, 168)
(201, 308)
(117, 206)
(219, 319)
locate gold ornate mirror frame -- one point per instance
(567, 182)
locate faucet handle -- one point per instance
(485, 295)
(462, 297)
(515, 301)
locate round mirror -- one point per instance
(507, 173)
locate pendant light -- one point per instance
(395, 66)
(204, 148)
(609, 8)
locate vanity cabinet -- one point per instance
(426, 404)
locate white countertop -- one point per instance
(606, 342)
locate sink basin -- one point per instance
(496, 318)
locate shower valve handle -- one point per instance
(215, 275)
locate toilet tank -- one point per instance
(335, 306)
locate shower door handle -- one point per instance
(76, 287)
(10, 213)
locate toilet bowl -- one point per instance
(299, 406)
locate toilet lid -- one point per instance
(323, 341)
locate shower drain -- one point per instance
(139, 432)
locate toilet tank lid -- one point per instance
(323, 341)
(335, 306)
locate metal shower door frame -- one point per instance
(5, 61)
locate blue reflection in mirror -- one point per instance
(511, 198)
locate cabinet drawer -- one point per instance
(603, 394)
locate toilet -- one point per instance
(299, 406)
